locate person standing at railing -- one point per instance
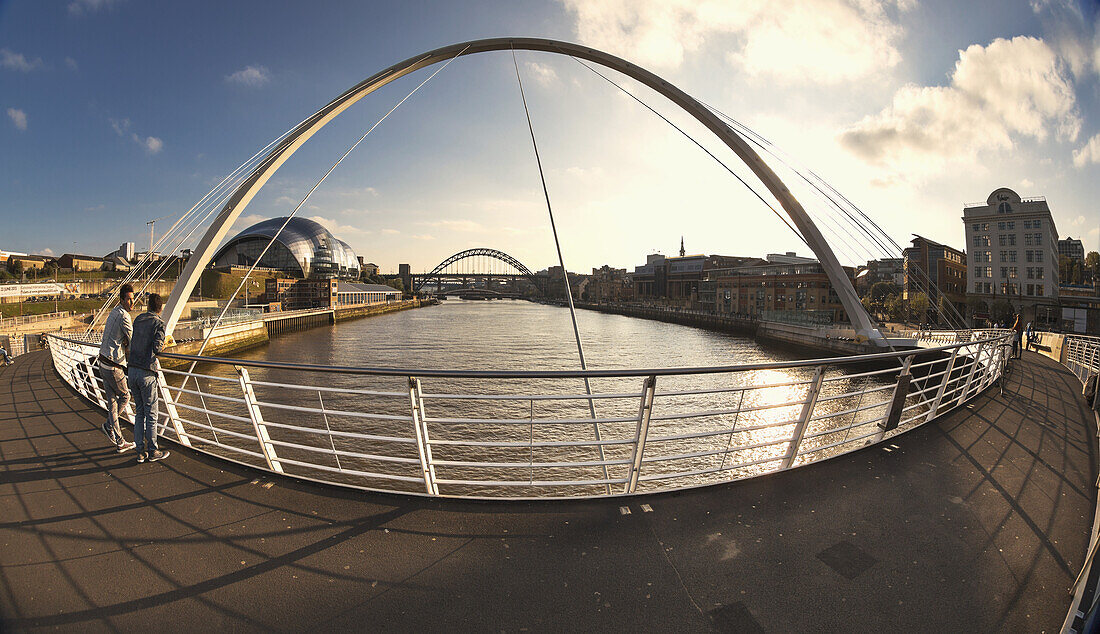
(112, 365)
(142, 372)
(5, 356)
(1029, 336)
(1017, 335)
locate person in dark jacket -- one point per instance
(141, 374)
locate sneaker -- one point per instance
(107, 431)
(125, 446)
(158, 455)
(141, 457)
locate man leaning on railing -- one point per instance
(112, 365)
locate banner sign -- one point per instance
(38, 290)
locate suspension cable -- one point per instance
(693, 140)
(244, 280)
(564, 271)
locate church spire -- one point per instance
(682, 252)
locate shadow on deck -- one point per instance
(977, 522)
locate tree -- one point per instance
(396, 283)
(881, 290)
(920, 306)
(895, 307)
(1092, 262)
(1001, 310)
(945, 309)
(16, 268)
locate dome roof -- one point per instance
(314, 250)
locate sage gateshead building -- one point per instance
(303, 249)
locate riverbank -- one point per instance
(821, 339)
(236, 337)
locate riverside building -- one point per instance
(937, 270)
(1013, 256)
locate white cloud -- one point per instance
(336, 228)
(18, 117)
(823, 41)
(422, 236)
(455, 225)
(1087, 153)
(1011, 88)
(81, 7)
(11, 60)
(71, 64)
(99, 207)
(542, 74)
(1078, 221)
(151, 144)
(46, 251)
(251, 76)
(243, 222)
(390, 232)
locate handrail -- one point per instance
(375, 438)
(566, 374)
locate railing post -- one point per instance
(804, 418)
(897, 403)
(423, 444)
(645, 411)
(170, 408)
(266, 447)
(943, 385)
(973, 372)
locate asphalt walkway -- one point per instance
(978, 522)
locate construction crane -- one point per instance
(152, 223)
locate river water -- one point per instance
(731, 426)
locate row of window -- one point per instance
(1010, 288)
(1007, 256)
(1007, 225)
(1033, 272)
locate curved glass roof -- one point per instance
(304, 247)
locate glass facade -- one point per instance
(303, 248)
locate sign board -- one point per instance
(38, 290)
(1074, 319)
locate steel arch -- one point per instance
(493, 253)
(244, 193)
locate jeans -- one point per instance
(114, 387)
(143, 385)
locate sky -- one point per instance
(117, 112)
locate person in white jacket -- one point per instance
(112, 365)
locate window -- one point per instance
(1027, 240)
(1004, 256)
(1039, 273)
(1004, 208)
(1039, 290)
(1030, 275)
(989, 271)
(988, 287)
(1012, 256)
(1030, 288)
(1000, 226)
(981, 241)
(1012, 271)
(1038, 256)
(1012, 239)
(978, 271)
(1011, 225)
(976, 226)
(1030, 256)
(1027, 224)
(1004, 271)
(1038, 239)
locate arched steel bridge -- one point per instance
(419, 280)
(289, 144)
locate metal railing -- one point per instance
(529, 434)
(23, 320)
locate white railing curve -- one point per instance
(520, 435)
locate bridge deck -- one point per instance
(979, 522)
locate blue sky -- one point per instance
(115, 112)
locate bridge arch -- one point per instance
(470, 253)
(244, 193)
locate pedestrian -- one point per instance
(4, 354)
(1017, 335)
(112, 365)
(1029, 336)
(142, 372)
